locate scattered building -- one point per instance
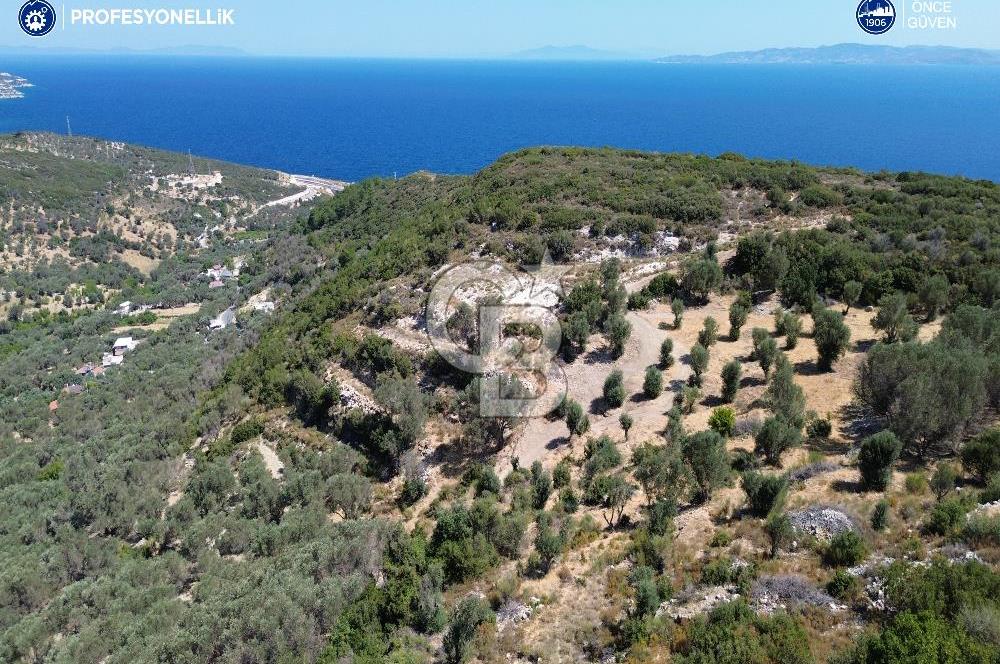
(86, 370)
(216, 283)
(122, 345)
(124, 309)
(223, 320)
(221, 272)
(72, 389)
(111, 360)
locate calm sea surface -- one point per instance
(355, 118)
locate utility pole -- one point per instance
(190, 164)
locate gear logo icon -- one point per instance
(37, 18)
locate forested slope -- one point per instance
(307, 487)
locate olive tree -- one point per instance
(831, 336)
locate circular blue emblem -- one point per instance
(876, 16)
(36, 18)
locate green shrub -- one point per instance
(246, 430)
(992, 491)
(614, 389)
(706, 456)
(765, 492)
(880, 515)
(699, 362)
(845, 549)
(53, 470)
(414, 488)
(666, 353)
(561, 474)
(601, 454)
(709, 333)
(982, 531)
(721, 538)
(774, 438)
(733, 633)
(723, 421)
(946, 516)
(944, 480)
(831, 336)
(819, 428)
(878, 453)
(470, 613)
(843, 586)
(779, 531)
(487, 481)
(652, 384)
(981, 455)
(568, 500)
(916, 483)
(731, 373)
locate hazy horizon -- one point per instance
(452, 29)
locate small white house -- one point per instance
(124, 309)
(122, 345)
(223, 320)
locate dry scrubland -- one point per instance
(317, 484)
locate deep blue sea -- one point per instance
(351, 119)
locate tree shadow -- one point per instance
(557, 442)
(826, 446)
(858, 422)
(600, 355)
(752, 381)
(713, 401)
(863, 345)
(847, 486)
(808, 368)
(598, 406)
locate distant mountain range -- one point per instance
(848, 54)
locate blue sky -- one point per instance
(492, 28)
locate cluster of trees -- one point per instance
(597, 305)
(930, 394)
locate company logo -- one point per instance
(500, 324)
(37, 18)
(876, 17)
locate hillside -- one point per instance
(774, 438)
(848, 54)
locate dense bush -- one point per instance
(731, 373)
(614, 389)
(845, 549)
(775, 437)
(734, 634)
(981, 455)
(706, 456)
(878, 453)
(764, 492)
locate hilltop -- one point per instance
(317, 481)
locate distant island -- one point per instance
(848, 54)
(11, 85)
